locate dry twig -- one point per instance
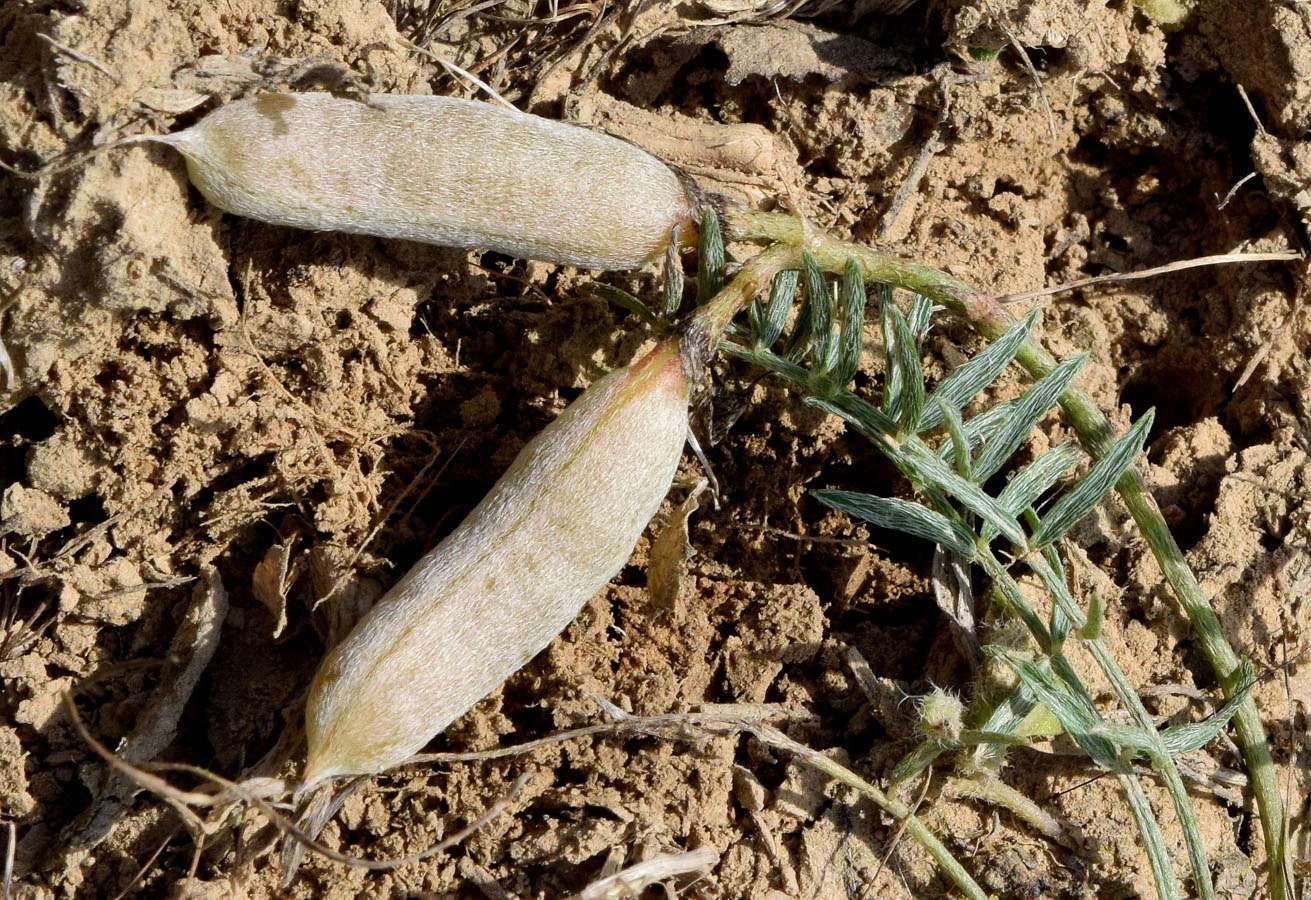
(229, 792)
(1178, 266)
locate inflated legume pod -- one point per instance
(440, 170)
(556, 527)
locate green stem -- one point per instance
(895, 808)
(988, 788)
(989, 318)
(707, 325)
(1154, 843)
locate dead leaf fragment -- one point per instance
(272, 580)
(669, 554)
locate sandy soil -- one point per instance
(210, 422)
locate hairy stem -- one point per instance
(988, 788)
(895, 808)
(707, 325)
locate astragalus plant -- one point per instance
(806, 296)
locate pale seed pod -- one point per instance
(557, 526)
(439, 170)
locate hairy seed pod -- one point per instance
(556, 527)
(439, 170)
